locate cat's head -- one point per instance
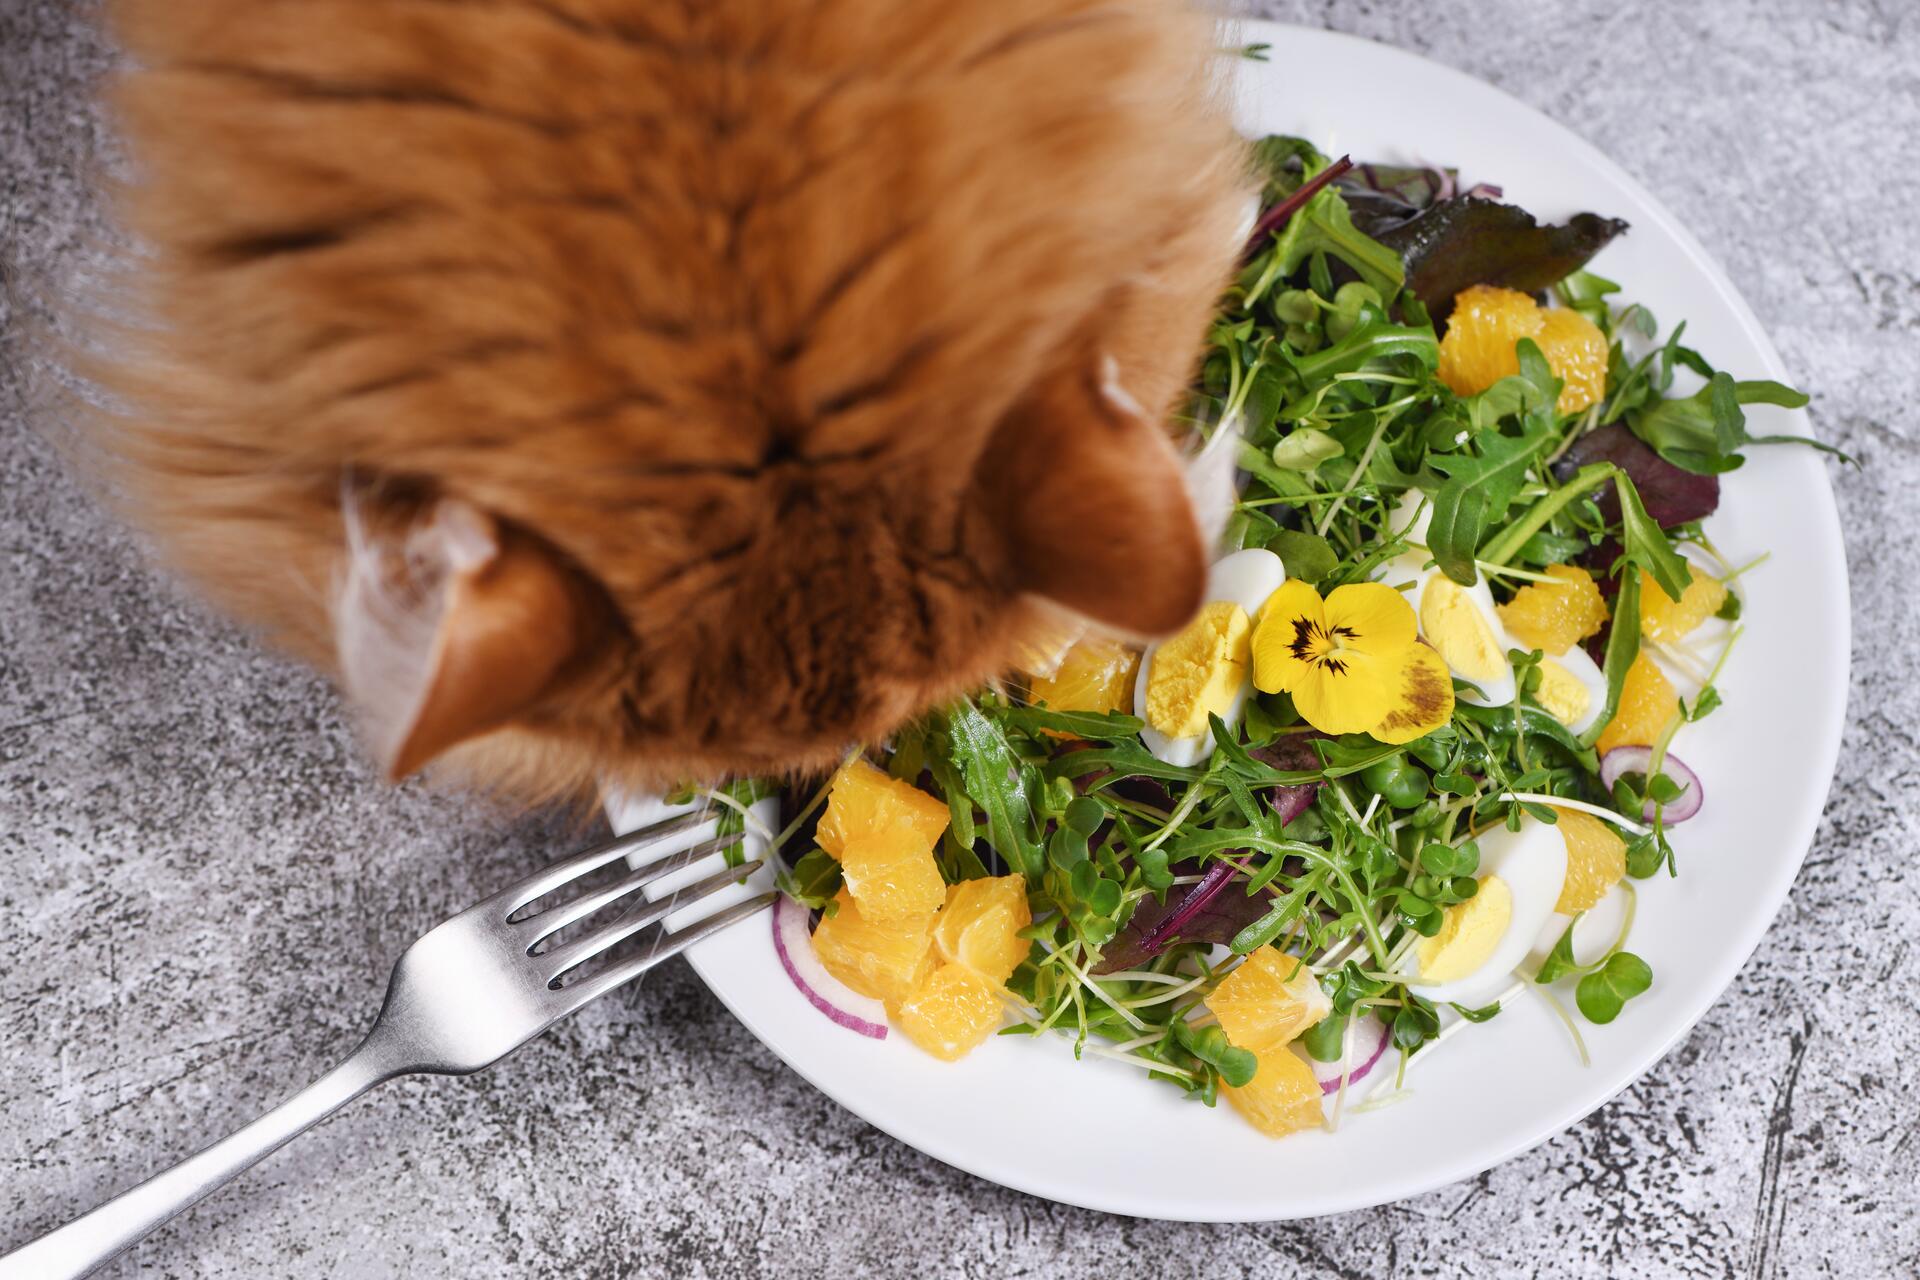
(707, 435)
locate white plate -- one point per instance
(1099, 1134)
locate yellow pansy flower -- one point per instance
(1353, 662)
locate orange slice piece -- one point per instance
(1268, 1000)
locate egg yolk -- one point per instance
(1561, 693)
(1455, 625)
(1468, 934)
(1197, 672)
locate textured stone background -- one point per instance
(202, 886)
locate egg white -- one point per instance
(1533, 862)
(1593, 932)
(1246, 578)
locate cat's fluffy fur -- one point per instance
(780, 328)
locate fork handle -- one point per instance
(93, 1238)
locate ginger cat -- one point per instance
(637, 390)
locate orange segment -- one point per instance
(1576, 351)
(891, 879)
(1596, 859)
(1096, 675)
(1267, 1001)
(882, 959)
(949, 1012)
(865, 801)
(1666, 620)
(1282, 1098)
(1553, 617)
(1647, 702)
(1486, 327)
(980, 926)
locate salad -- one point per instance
(1409, 762)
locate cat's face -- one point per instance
(610, 411)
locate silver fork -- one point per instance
(462, 997)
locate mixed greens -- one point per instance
(1342, 850)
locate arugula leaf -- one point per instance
(1560, 960)
(1368, 343)
(959, 804)
(1325, 225)
(1646, 544)
(1477, 492)
(1268, 927)
(1125, 759)
(1351, 754)
(1486, 1013)
(1704, 432)
(1097, 726)
(991, 774)
(1623, 646)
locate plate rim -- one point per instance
(1731, 960)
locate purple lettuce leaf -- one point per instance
(1672, 496)
(1212, 911)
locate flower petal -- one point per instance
(1350, 694)
(1292, 617)
(1371, 617)
(1424, 700)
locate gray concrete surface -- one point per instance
(201, 884)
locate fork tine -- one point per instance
(559, 917)
(670, 945)
(639, 916)
(567, 870)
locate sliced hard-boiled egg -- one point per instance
(1482, 940)
(1460, 622)
(1573, 689)
(1205, 669)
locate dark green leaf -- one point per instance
(1601, 994)
(1485, 1013)
(1559, 961)
(815, 878)
(1646, 543)
(1477, 492)
(1112, 726)
(1623, 646)
(1307, 556)
(992, 776)
(1210, 1045)
(1325, 1040)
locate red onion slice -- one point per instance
(1328, 1073)
(1624, 760)
(847, 1008)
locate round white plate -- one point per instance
(1099, 1134)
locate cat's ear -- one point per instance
(449, 626)
(1095, 503)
